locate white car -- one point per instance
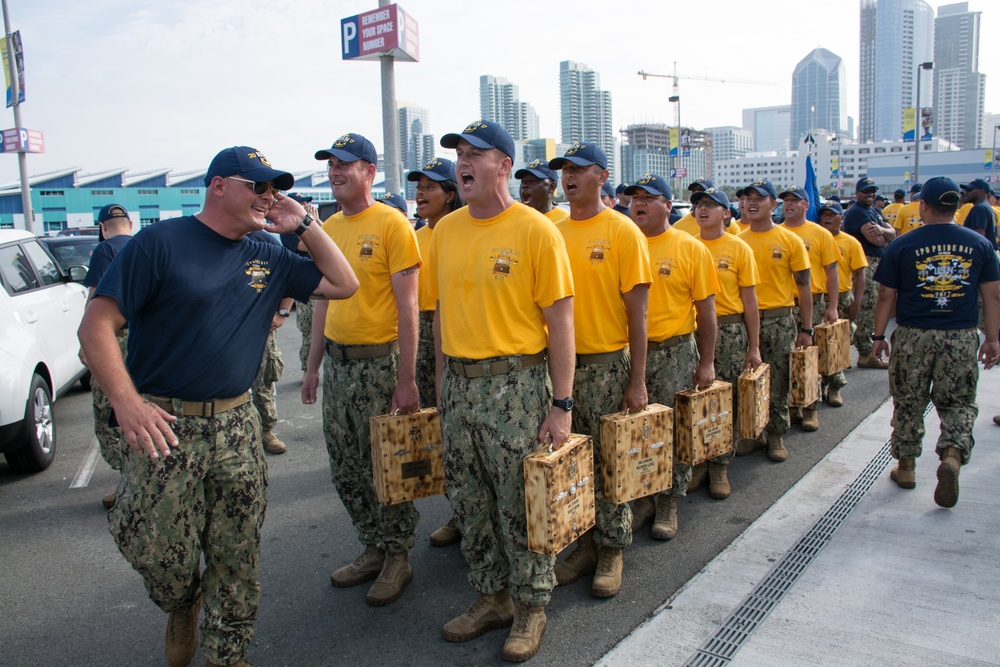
(40, 312)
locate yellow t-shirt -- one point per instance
(822, 249)
(689, 224)
(740, 227)
(491, 279)
(852, 258)
(779, 254)
(377, 242)
(908, 218)
(424, 299)
(608, 256)
(890, 211)
(963, 211)
(682, 274)
(734, 268)
(557, 214)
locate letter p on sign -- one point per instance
(349, 37)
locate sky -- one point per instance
(149, 85)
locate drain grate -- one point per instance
(729, 637)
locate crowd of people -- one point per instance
(522, 322)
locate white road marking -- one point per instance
(86, 470)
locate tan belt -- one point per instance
(776, 312)
(601, 358)
(427, 315)
(358, 352)
(482, 369)
(200, 408)
(673, 341)
(735, 318)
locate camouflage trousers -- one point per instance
(353, 391)
(489, 425)
(866, 312)
(669, 371)
(777, 340)
(598, 391)
(844, 300)
(937, 365)
(304, 322)
(108, 438)
(206, 500)
(426, 363)
(731, 346)
(271, 367)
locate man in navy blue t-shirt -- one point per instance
(981, 217)
(199, 299)
(934, 275)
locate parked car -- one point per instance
(71, 250)
(80, 231)
(40, 310)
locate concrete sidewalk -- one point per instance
(848, 569)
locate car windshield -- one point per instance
(72, 250)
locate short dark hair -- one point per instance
(942, 209)
(452, 186)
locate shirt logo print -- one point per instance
(259, 274)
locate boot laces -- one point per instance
(606, 564)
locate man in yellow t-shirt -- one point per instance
(823, 276)
(688, 223)
(538, 187)
(851, 278)
(502, 281)
(368, 347)
(611, 275)
(891, 210)
(684, 286)
(908, 217)
(783, 268)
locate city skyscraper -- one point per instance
(771, 127)
(818, 95)
(959, 88)
(500, 102)
(730, 142)
(416, 144)
(585, 110)
(896, 36)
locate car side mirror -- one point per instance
(77, 274)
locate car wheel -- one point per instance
(85, 381)
(40, 449)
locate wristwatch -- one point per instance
(283, 312)
(564, 403)
(304, 225)
(806, 331)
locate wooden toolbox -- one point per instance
(803, 380)
(704, 423)
(754, 389)
(637, 453)
(559, 494)
(834, 343)
(407, 456)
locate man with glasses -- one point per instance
(368, 347)
(199, 299)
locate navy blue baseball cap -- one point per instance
(865, 183)
(350, 148)
(607, 190)
(483, 134)
(394, 200)
(438, 169)
(714, 194)
(621, 188)
(583, 153)
(941, 191)
(763, 186)
(899, 193)
(248, 163)
(112, 211)
(703, 183)
(794, 191)
(654, 184)
(976, 184)
(302, 199)
(538, 169)
(915, 188)
(832, 205)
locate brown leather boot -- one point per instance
(946, 493)
(643, 511)
(834, 398)
(699, 474)
(182, 635)
(526, 635)
(718, 481)
(487, 613)
(608, 578)
(776, 448)
(810, 419)
(446, 534)
(870, 361)
(363, 568)
(905, 473)
(665, 526)
(272, 445)
(396, 574)
(581, 562)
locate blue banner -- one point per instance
(812, 190)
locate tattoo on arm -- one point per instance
(412, 269)
(802, 277)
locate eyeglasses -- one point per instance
(260, 188)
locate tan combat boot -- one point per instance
(446, 534)
(905, 473)
(699, 474)
(643, 511)
(241, 663)
(794, 416)
(747, 446)
(946, 493)
(608, 578)
(109, 499)
(581, 562)
(833, 398)
(363, 568)
(776, 448)
(810, 419)
(526, 635)
(665, 526)
(870, 361)
(996, 419)
(182, 635)
(395, 575)
(272, 445)
(718, 481)
(488, 612)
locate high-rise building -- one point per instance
(416, 144)
(990, 130)
(500, 102)
(959, 87)
(646, 150)
(586, 110)
(771, 127)
(818, 95)
(730, 142)
(896, 37)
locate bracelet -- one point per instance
(878, 337)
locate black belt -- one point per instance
(481, 369)
(600, 358)
(735, 318)
(427, 315)
(673, 341)
(776, 312)
(359, 352)
(200, 408)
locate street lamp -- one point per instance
(677, 164)
(917, 129)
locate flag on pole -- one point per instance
(812, 190)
